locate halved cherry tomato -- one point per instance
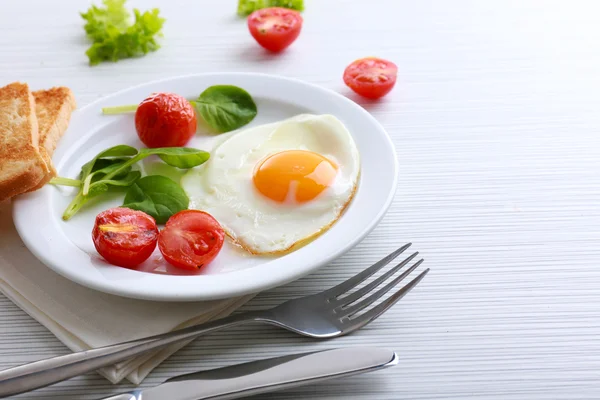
(275, 28)
(125, 237)
(371, 77)
(191, 239)
(165, 120)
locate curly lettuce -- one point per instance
(115, 37)
(247, 7)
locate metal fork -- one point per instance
(331, 313)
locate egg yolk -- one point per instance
(294, 175)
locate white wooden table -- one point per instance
(496, 123)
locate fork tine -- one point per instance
(355, 280)
(353, 309)
(376, 311)
(347, 300)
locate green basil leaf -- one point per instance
(157, 196)
(225, 107)
(179, 157)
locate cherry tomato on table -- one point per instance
(191, 239)
(371, 77)
(125, 237)
(275, 28)
(165, 120)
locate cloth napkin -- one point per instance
(83, 318)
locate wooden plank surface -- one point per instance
(496, 125)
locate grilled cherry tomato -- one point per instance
(371, 77)
(191, 239)
(275, 28)
(125, 237)
(165, 120)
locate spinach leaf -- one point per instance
(99, 174)
(179, 157)
(121, 150)
(95, 189)
(225, 107)
(125, 181)
(112, 167)
(103, 165)
(157, 196)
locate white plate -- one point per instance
(67, 248)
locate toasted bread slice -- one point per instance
(22, 166)
(53, 108)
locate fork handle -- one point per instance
(57, 369)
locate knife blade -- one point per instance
(267, 375)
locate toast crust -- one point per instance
(22, 165)
(20, 184)
(53, 108)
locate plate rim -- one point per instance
(253, 286)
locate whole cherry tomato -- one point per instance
(165, 120)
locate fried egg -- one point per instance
(276, 186)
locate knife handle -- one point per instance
(137, 395)
(271, 375)
(57, 369)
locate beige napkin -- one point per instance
(83, 318)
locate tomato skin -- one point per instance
(124, 237)
(371, 77)
(275, 28)
(165, 120)
(191, 239)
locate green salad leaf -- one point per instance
(127, 180)
(157, 196)
(97, 188)
(247, 7)
(179, 157)
(113, 35)
(100, 175)
(113, 168)
(99, 20)
(94, 164)
(225, 107)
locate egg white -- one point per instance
(224, 188)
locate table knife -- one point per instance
(267, 375)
